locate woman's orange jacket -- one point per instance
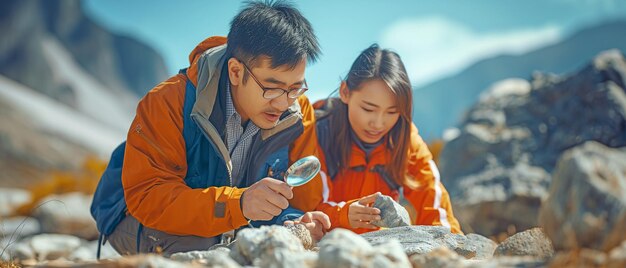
(361, 178)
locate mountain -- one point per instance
(68, 87)
(499, 166)
(442, 104)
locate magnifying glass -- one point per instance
(302, 171)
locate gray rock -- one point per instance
(617, 256)
(531, 242)
(16, 250)
(145, 260)
(254, 244)
(508, 262)
(284, 258)
(342, 248)
(392, 214)
(11, 199)
(439, 257)
(88, 251)
(579, 258)
(497, 165)
(587, 202)
(390, 254)
(424, 239)
(45, 247)
(17, 227)
(300, 231)
(211, 258)
(67, 214)
(483, 246)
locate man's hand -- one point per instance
(360, 214)
(265, 199)
(316, 222)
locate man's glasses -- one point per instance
(272, 93)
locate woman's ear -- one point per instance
(344, 92)
(235, 71)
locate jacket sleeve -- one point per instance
(430, 198)
(336, 211)
(155, 167)
(308, 196)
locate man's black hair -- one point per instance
(275, 29)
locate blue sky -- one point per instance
(434, 38)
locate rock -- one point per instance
(439, 257)
(17, 227)
(531, 242)
(285, 258)
(484, 247)
(301, 232)
(508, 261)
(11, 199)
(617, 256)
(586, 207)
(390, 254)
(424, 239)
(343, 248)
(45, 247)
(579, 258)
(88, 252)
(67, 214)
(497, 165)
(392, 214)
(12, 250)
(147, 260)
(253, 244)
(54, 246)
(212, 258)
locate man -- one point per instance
(203, 144)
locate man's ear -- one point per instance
(344, 92)
(235, 72)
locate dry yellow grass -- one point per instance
(5, 264)
(84, 180)
(435, 147)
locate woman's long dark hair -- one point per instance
(376, 63)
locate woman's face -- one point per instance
(372, 109)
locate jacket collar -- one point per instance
(378, 156)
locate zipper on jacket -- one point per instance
(139, 131)
(212, 143)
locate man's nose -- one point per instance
(281, 103)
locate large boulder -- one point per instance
(342, 249)
(587, 202)
(496, 165)
(254, 245)
(424, 239)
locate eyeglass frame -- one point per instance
(266, 89)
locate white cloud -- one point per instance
(435, 47)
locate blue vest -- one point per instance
(205, 168)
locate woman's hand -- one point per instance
(360, 213)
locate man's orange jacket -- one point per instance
(173, 172)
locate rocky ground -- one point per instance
(544, 161)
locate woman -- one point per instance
(369, 146)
